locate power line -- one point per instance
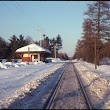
(21, 10)
(24, 18)
(19, 6)
(12, 12)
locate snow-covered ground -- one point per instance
(96, 82)
(19, 78)
(103, 70)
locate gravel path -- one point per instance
(69, 95)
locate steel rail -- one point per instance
(83, 90)
(54, 91)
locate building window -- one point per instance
(35, 56)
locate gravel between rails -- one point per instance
(69, 95)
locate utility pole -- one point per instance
(97, 36)
(28, 54)
(95, 48)
(41, 31)
(98, 33)
(55, 50)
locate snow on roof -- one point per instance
(32, 48)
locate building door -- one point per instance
(35, 57)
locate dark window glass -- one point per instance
(35, 56)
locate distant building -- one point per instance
(32, 53)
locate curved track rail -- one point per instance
(57, 87)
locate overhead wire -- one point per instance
(19, 13)
(12, 12)
(22, 11)
(29, 18)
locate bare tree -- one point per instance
(99, 18)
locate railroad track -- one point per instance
(62, 92)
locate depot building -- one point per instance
(33, 53)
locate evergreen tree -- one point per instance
(13, 45)
(59, 42)
(3, 48)
(21, 41)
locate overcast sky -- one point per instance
(54, 17)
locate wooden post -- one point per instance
(28, 55)
(95, 50)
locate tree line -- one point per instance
(95, 41)
(53, 43)
(8, 48)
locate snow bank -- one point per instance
(7, 65)
(15, 82)
(103, 70)
(105, 61)
(53, 59)
(56, 60)
(2, 66)
(96, 84)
